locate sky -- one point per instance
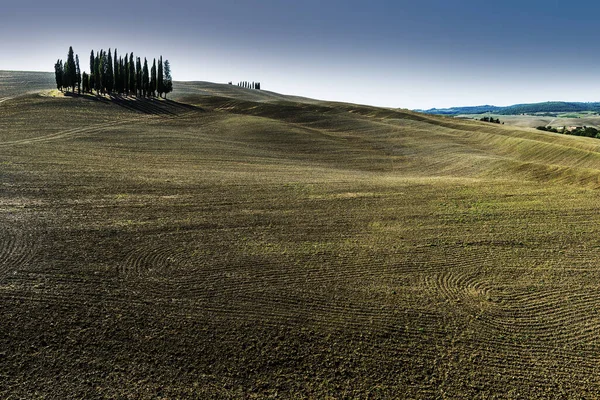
(406, 54)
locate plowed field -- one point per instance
(231, 243)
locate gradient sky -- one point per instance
(410, 54)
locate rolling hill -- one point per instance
(517, 109)
(231, 243)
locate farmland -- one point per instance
(233, 243)
(535, 120)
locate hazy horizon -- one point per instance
(393, 54)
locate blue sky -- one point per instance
(430, 53)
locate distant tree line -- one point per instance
(490, 119)
(586, 131)
(550, 129)
(549, 107)
(112, 74)
(249, 85)
(463, 110)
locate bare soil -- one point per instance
(218, 246)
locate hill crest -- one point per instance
(516, 109)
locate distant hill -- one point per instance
(462, 110)
(546, 107)
(14, 83)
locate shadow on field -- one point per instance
(151, 106)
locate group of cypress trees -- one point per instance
(68, 75)
(114, 75)
(249, 85)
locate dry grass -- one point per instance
(254, 247)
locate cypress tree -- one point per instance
(153, 79)
(98, 72)
(77, 74)
(126, 76)
(110, 78)
(146, 78)
(85, 82)
(138, 79)
(103, 71)
(94, 84)
(92, 69)
(168, 78)
(105, 75)
(122, 75)
(160, 85)
(116, 72)
(65, 77)
(131, 75)
(70, 70)
(117, 69)
(58, 74)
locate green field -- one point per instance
(231, 243)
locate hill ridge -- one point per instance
(521, 108)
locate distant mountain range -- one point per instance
(534, 108)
